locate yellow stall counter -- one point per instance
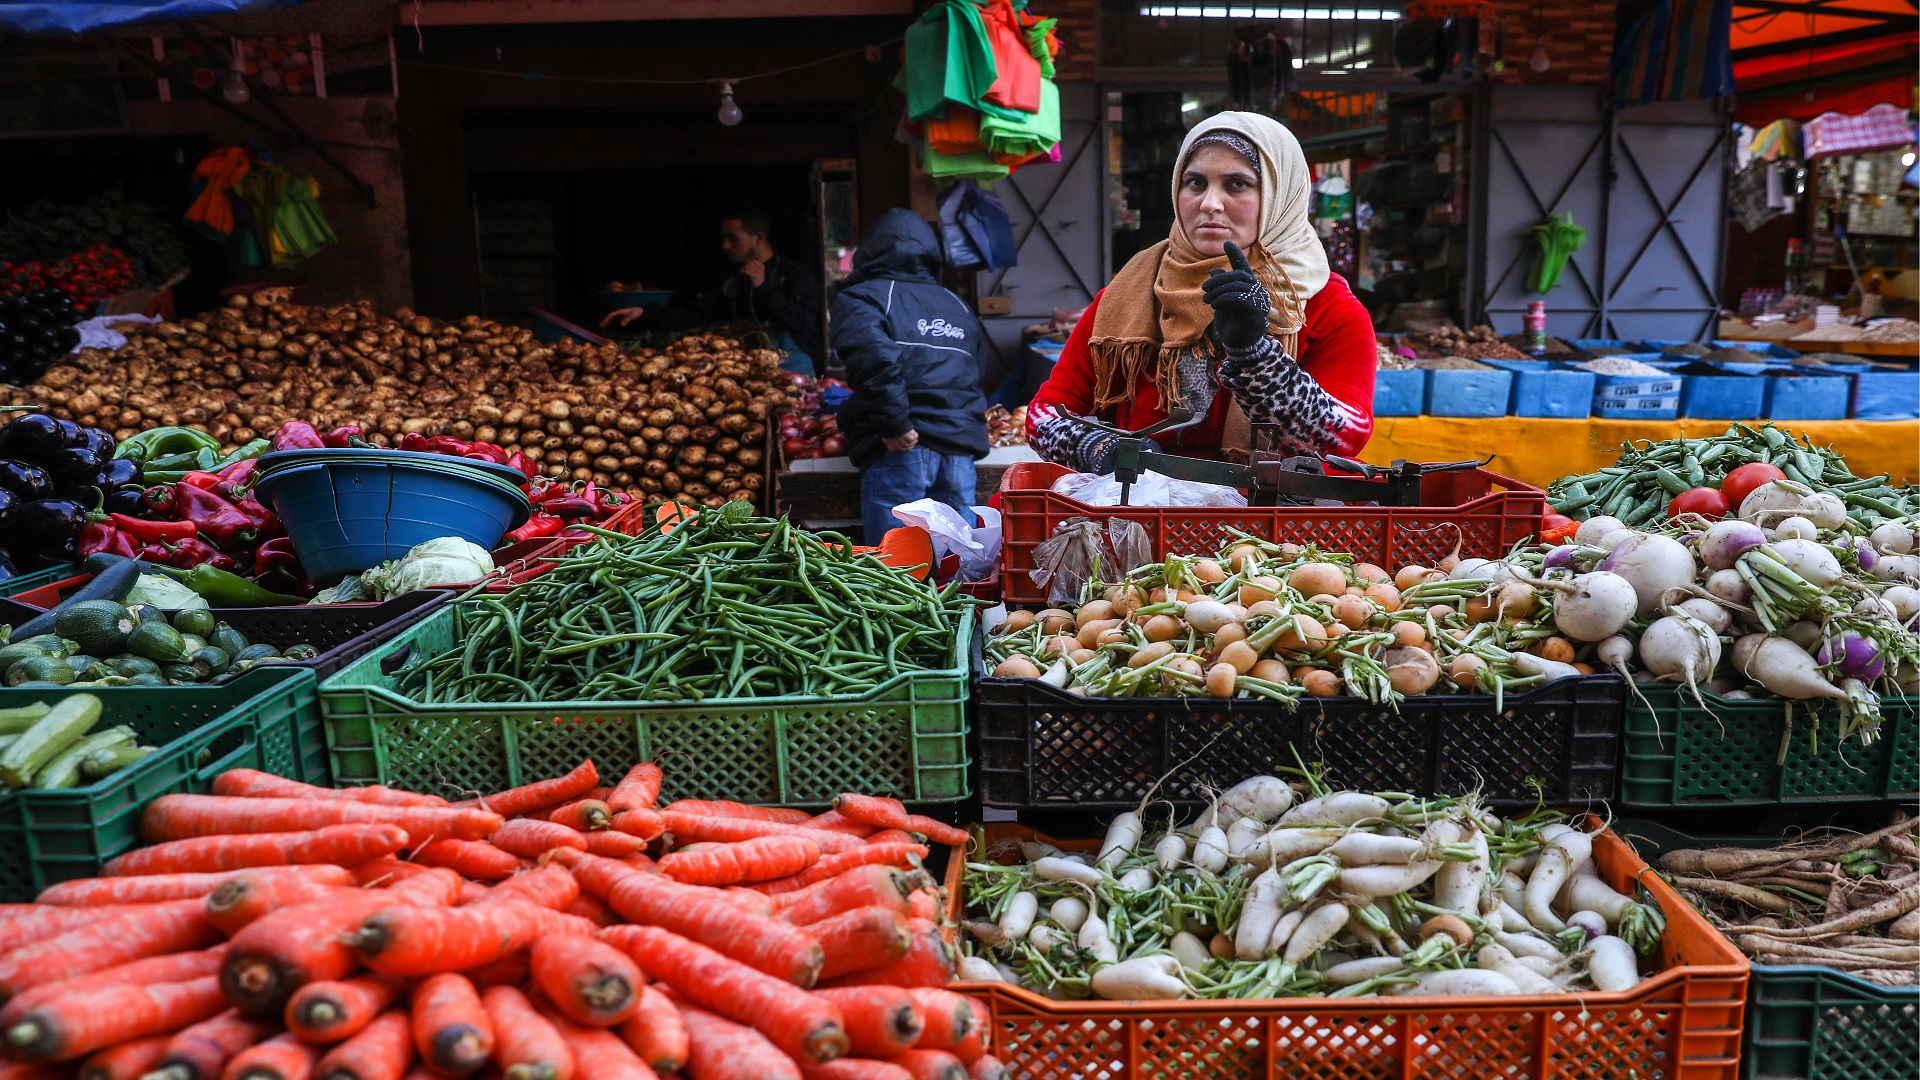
(1540, 451)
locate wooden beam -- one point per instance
(504, 12)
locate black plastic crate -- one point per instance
(1042, 748)
(342, 632)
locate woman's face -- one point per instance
(1219, 200)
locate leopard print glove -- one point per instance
(1064, 440)
(1272, 389)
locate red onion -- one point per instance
(1858, 656)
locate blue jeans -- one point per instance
(906, 476)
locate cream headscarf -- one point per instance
(1153, 310)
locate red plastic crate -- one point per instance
(630, 520)
(1484, 512)
(1683, 1023)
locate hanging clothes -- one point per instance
(212, 209)
(955, 132)
(1030, 136)
(948, 59)
(978, 165)
(1671, 50)
(1017, 78)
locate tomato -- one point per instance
(1708, 502)
(1549, 522)
(1740, 482)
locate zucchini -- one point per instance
(192, 643)
(68, 720)
(21, 717)
(158, 642)
(87, 668)
(146, 613)
(194, 621)
(112, 759)
(181, 673)
(300, 652)
(64, 770)
(211, 658)
(130, 665)
(228, 640)
(147, 678)
(256, 653)
(97, 626)
(7, 740)
(113, 583)
(27, 650)
(52, 669)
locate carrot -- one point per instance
(246, 898)
(381, 1050)
(614, 844)
(334, 1009)
(884, 813)
(343, 845)
(924, 903)
(896, 836)
(176, 967)
(937, 831)
(282, 1057)
(386, 870)
(949, 1018)
(859, 887)
(547, 886)
(645, 823)
(761, 859)
(719, 1049)
(855, 1069)
(641, 863)
(689, 828)
(974, 1043)
(581, 815)
(929, 962)
(882, 1021)
(987, 1067)
(590, 981)
(800, 1024)
(723, 808)
(861, 940)
(33, 1070)
(531, 838)
(38, 922)
(833, 821)
(201, 1051)
(512, 969)
(931, 1065)
(638, 790)
(75, 1025)
(130, 1060)
(142, 931)
(773, 947)
(278, 954)
(91, 892)
(657, 1032)
(594, 910)
(450, 1026)
(526, 1044)
(183, 817)
(415, 940)
(250, 783)
(471, 892)
(468, 858)
(598, 1054)
(903, 856)
(758, 903)
(531, 797)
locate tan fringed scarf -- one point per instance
(1153, 311)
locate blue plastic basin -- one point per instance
(350, 510)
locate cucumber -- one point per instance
(51, 669)
(97, 626)
(113, 583)
(148, 678)
(64, 770)
(146, 613)
(68, 720)
(112, 759)
(195, 621)
(300, 652)
(158, 642)
(211, 659)
(254, 653)
(228, 640)
(130, 665)
(21, 717)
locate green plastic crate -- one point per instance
(20, 583)
(1805, 1021)
(907, 739)
(202, 731)
(1678, 754)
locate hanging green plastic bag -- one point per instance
(1558, 238)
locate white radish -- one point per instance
(1337, 809)
(1558, 858)
(1262, 798)
(1510, 919)
(1652, 564)
(1138, 879)
(1728, 585)
(1540, 965)
(1586, 890)
(1549, 670)
(1512, 887)
(1592, 529)
(1316, 930)
(1143, 978)
(1372, 849)
(1494, 957)
(1190, 951)
(988, 933)
(1258, 914)
(1052, 868)
(1210, 850)
(1591, 922)
(1169, 852)
(1019, 916)
(1465, 981)
(1046, 938)
(1715, 617)
(1069, 912)
(1284, 929)
(1035, 850)
(1458, 885)
(1122, 835)
(1811, 560)
(1611, 964)
(1598, 606)
(1096, 941)
(1354, 972)
(1285, 844)
(1243, 835)
(976, 969)
(1522, 944)
(1207, 616)
(1805, 633)
(1782, 667)
(1385, 880)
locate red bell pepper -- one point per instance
(524, 464)
(573, 506)
(205, 481)
(275, 554)
(486, 451)
(265, 522)
(218, 520)
(97, 537)
(447, 444)
(186, 554)
(152, 532)
(343, 436)
(240, 474)
(296, 435)
(537, 527)
(412, 441)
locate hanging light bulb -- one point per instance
(729, 113)
(235, 88)
(1539, 61)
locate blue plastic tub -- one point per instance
(1762, 350)
(1540, 389)
(1879, 394)
(1740, 394)
(1399, 393)
(1606, 346)
(1808, 395)
(348, 510)
(1468, 393)
(1638, 397)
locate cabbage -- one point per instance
(163, 592)
(447, 560)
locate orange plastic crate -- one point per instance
(1484, 512)
(1681, 1024)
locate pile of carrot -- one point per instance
(563, 930)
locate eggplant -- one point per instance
(24, 479)
(44, 524)
(9, 505)
(71, 434)
(122, 473)
(6, 566)
(130, 501)
(33, 436)
(77, 467)
(98, 441)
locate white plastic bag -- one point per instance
(978, 548)
(1152, 489)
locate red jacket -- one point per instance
(1336, 348)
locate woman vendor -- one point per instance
(1238, 298)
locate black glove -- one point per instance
(1240, 303)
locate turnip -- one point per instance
(1413, 671)
(1019, 916)
(1777, 500)
(976, 969)
(1725, 541)
(1465, 982)
(1592, 529)
(1892, 538)
(1168, 853)
(1712, 615)
(1652, 564)
(1863, 553)
(1905, 568)
(1782, 667)
(1472, 570)
(1495, 957)
(1728, 585)
(1853, 656)
(1338, 808)
(1316, 930)
(1794, 528)
(1047, 938)
(1589, 923)
(1812, 561)
(1595, 606)
(1258, 914)
(1680, 648)
(1143, 978)
(1611, 964)
(1210, 850)
(1559, 856)
(1069, 912)
(1190, 951)
(1122, 835)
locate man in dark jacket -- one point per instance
(917, 420)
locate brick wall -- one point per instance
(1579, 39)
(1077, 61)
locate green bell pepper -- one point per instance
(171, 468)
(161, 442)
(223, 589)
(250, 450)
